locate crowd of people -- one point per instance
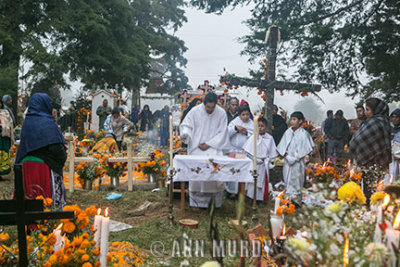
(373, 141)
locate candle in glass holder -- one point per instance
(105, 231)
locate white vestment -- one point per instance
(266, 152)
(237, 140)
(295, 146)
(200, 127)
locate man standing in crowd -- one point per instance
(103, 111)
(337, 132)
(279, 125)
(204, 130)
(231, 113)
(356, 123)
(164, 126)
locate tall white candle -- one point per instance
(255, 132)
(59, 240)
(171, 141)
(97, 226)
(278, 201)
(105, 230)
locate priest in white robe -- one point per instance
(266, 152)
(239, 130)
(295, 145)
(205, 131)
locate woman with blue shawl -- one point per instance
(42, 152)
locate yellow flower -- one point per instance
(377, 196)
(351, 191)
(211, 264)
(87, 264)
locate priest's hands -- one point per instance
(204, 146)
(241, 129)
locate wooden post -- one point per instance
(242, 190)
(19, 215)
(183, 204)
(71, 151)
(130, 169)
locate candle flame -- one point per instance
(59, 227)
(304, 233)
(346, 250)
(396, 223)
(106, 213)
(351, 173)
(386, 201)
(99, 211)
(391, 178)
(284, 230)
(324, 165)
(349, 163)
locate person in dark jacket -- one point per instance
(233, 107)
(164, 126)
(146, 119)
(135, 115)
(279, 125)
(337, 133)
(42, 151)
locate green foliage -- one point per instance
(96, 42)
(350, 45)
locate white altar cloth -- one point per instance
(212, 168)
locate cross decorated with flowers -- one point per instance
(268, 84)
(22, 212)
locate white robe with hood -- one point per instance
(266, 152)
(237, 140)
(297, 145)
(200, 127)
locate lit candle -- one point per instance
(278, 201)
(59, 240)
(255, 134)
(386, 201)
(105, 230)
(276, 225)
(346, 250)
(171, 141)
(349, 164)
(97, 226)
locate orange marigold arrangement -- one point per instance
(155, 166)
(88, 171)
(79, 246)
(286, 207)
(323, 173)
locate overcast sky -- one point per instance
(212, 46)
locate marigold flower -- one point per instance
(351, 191)
(69, 227)
(377, 196)
(85, 257)
(4, 237)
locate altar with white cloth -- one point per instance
(211, 168)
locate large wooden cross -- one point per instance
(270, 84)
(22, 212)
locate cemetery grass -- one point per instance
(154, 225)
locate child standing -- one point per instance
(239, 130)
(295, 145)
(266, 152)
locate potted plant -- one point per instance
(88, 172)
(155, 167)
(115, 170)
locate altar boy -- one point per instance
(294, 146)
(266, 152)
